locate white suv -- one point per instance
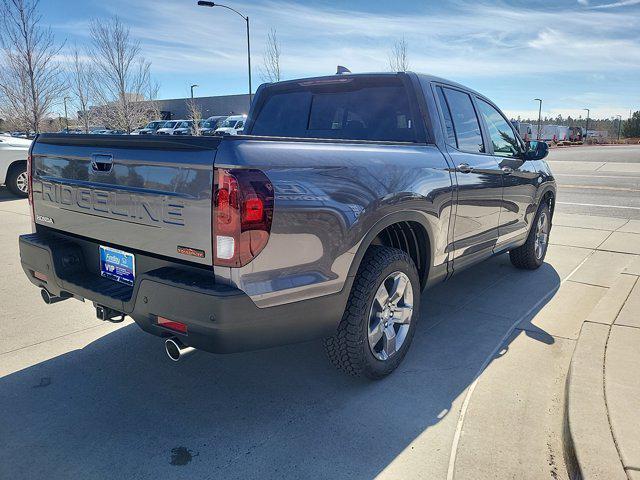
(168, 127)
(13, 164)
(233, 125)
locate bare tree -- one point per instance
(30, 78)
(125, 91)
(81, 82)
(270, 71)
(398, 56)
(195, 115)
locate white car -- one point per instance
(168, 127)
(233, 125)
(13, 164)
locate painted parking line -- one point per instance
(598, 205)
(598, 187)
(632, 175)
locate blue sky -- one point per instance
(573, 53)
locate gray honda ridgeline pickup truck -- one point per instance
(346, 197)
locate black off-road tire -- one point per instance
(524, 257)
(13, 174)
(349, 349)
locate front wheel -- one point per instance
(18, 181)
(531, 255)
(381, 315)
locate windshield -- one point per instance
(208, 124)
(152, 125)
(169, 125)
(370, 108)
(229, 124)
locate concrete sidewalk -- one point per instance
(514, 416)
(603, 388)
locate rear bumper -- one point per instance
(220, 318)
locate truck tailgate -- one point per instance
(138, 193)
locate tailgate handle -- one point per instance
(101, 162)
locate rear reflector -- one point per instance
(171, 325)
(40, 276)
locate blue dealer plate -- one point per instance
(117, 265)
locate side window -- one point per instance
(448, 122)
(465, 121)
(505, 143)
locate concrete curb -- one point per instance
(590, 449)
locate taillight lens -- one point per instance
(242, 215)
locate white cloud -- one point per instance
(468, 39)
(624, 3)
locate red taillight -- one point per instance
(242, 214)
(172, 325)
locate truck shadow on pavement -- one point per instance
(6, 195)
(118, 408)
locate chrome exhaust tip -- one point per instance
(176, 349)
(50, 298)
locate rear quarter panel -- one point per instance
(328, 197)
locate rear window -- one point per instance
(349, 109)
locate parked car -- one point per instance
(29, 135)
(168, 127)
(13, 164)
(211, 124)
(232, 125)
(184, 127)
(151, 127)
(349, 195)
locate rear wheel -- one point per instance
(17, 180)
(381, 315)
(531, 255)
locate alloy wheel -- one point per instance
(22, 182)
(390, 316)
(542, 235)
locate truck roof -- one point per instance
(421, 76)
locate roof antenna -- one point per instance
(342, 70)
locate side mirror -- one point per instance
(536, 150)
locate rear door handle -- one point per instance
(506, 170)
(464, 168)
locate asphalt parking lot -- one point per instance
(603, 180)
(480, 394)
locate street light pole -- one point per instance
(586, 128)
(539, 117)
(66, 117)
(192, 87)
(203, 3)
(619, 125)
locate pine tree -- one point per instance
(631, 127)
